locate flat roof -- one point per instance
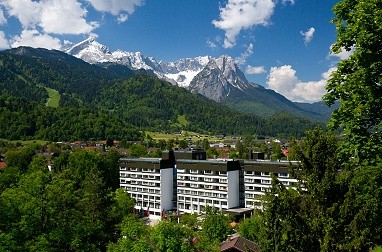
(239, 210)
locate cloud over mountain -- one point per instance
(285, 81)
(120, 8)
(239, 15)
(255, 69)
(43, 20)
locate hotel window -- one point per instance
(194, 185)
(264, 181)
(181, 184)
(208, 172)
(193, 178)
(223, 173)
(222, 180)
(208, 179)
(249, 173)
(208, 186)
(257, 173)
(133, 169)
(181, 170)
(194, 171)
(265, 174)
(284, 175)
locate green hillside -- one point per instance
(121, 98)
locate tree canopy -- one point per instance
(357, 81)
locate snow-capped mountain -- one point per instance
(219, 79)
(180, 72)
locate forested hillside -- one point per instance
(98, 102)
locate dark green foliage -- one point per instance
(302, 219)
(215, 225)
(251, 228)
(362, 210)
(26, 120)
(357, 81)
(72, 209)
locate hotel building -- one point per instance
(150, 182)
(187, 181)
(207, 182)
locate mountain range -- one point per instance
(51, 95)
(218, 79)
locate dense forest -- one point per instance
(78, 207)
(336, 205)
(127, 98)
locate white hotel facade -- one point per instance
(207, 182)
(187, 181)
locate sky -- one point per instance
(283, 45)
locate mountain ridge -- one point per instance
(225, 84)
(142, 101)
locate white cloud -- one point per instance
(51, 16)
(343, 54)
(284, 81)
(67, 17)
(117, 7)
(284, 2)
(3, 20)
(211, 44)
(122, 18)
(3, 41)
(245, 55)
(255, 70)
(34, 39)
(308, 35)
(239, 15)
(26, 11)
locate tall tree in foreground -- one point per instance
(357, 81)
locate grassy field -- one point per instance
(26, 142)
(193, 136)
(54, 98)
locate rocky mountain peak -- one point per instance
(211, 71)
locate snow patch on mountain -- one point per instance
(211, 77)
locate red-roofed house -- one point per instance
(2, 165)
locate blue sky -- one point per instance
(280, 44)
